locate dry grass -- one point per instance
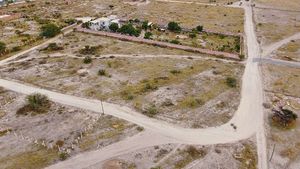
(37, 158)
(284, 80)
(280, 4)
(191, 15)
(273, 25)
(290, 52)
(248, 157)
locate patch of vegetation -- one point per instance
(148, 35)
(87, 60)
(114, 27)
(199, 28)
(175, 41)
(36, 104)
(189, 155)
(129, 29)
(191, 102)
(174, 27)
(63, 156)
(231, 82)
(3, 132)
(174, 72)
(35, 159)
(151, 111)
(50, 30)
(53, 47)
(248, 158)
(102, 72)
(284, 118)
(89, 50)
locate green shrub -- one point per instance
(175, 71)
(129, 29)
(35, 103)
(50, 30)
(89, 50)
(63, 156)
(175, 42)
(151, 111)
(102, 72)
(174, 27)
(114, 27)
(199, 28)
(87, 60)
(231, 82)
(148, 35)
(192, 35)
(53, 47)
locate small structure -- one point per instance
(104, 23)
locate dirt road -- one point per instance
(273, 47)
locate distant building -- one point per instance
(104, 22)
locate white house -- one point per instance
(104, 22)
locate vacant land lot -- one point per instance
(283, 80)
(190, 92)
(234, 156)
(290, 52)
(191, 15)
(282, 23)
(282, 86)
(73, 42)
(279, 4)
(35, 140)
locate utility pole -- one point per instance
(102, 107)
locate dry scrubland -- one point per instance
(275, 25)
(290, 52)
(212, 18)
(240, 155)
(209, 1)
(279, 4)
(58, 126)
(190, 92)
(282, 86)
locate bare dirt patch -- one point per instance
(236, 156)
(36, 141)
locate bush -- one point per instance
(151, 111)
(174, 27)
(85, 25)
(50, 30)
(87, 60)
(35, 103)
(63, 156)
(199, 28)
(175, 72)
(114, 27)
(89, 50)
(16, 48)
(128, 29)
(53, 47)
(231, 82)
(145, 25)
(2, 47)
(192, 35)
(148, 35)
(175, 42)
(102, 72)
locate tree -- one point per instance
(148, 35)
(199, 28)
(114, 27)
(174, 27)
(129, 30)
(50, 30)
(145, 25)
(2, 47)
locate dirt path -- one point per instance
(275, 46)
(280, 62)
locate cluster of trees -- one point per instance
(50, 30)
(128, 29)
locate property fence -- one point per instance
(161, 44)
